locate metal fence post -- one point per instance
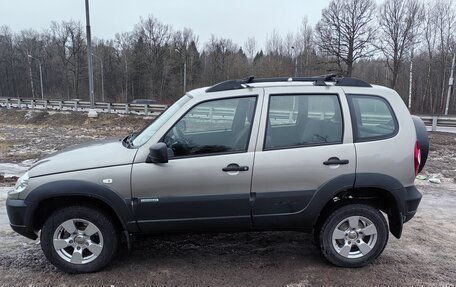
(76, 106)
(434, 123)
(109, 108)
(126, 108)
(61, 105)
(146, 109)
(8, 104)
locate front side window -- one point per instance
(302, 120)
(372, 118)
(213, 127)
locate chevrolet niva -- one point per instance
(322, 154)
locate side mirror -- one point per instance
(158, 153)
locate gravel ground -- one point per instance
(424, 256)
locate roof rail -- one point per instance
(317, 80)
(352, 82)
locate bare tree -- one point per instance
(274, 43)
(8, 85)
(398, 20)
(29, 43)
(149, 60)
(430, 40)
(156, 37)
(304, 45)
(445, 17)
(220, 56)
(346, 32)
(289, 45)
(67, 40)
(77, 49)
(250, 48)
(181, 42)
(123, 45)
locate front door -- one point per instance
(206, 183)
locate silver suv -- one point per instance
(320, 154)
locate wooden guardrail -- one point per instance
(76, 105)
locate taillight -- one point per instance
(417, 157)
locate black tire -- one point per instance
(109, 234)
(362, 211)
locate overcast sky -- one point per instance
(234, 19)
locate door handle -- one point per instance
(335, 161)
(235, 167)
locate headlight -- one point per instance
(21, 184)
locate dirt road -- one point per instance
(425, 255)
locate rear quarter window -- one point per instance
(372, 118)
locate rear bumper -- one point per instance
(412, 201)
(16, 210)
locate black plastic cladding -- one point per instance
(318, 81)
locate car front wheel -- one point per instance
(79, 239)
(353, 235)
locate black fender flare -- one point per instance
(80, 188)
(326, 192)
(395, 188)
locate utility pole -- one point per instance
(296, 61)
(126, 79)
(102, 81)
(185, 76)
(296, 66)
(450, 85)
(92, 113)
(102, 78)
(31, 77)
(41, 74)
(184, 68)
(41, 81)
(410, 81)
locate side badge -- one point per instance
(146, 200)
(107, 180)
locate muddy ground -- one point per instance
(424, 256)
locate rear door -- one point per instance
(305, 141)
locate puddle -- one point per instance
(15, 169)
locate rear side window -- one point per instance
(372, 118)
(303, 120)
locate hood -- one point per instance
(103, 153)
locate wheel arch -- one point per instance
(382, 191)
(51, 196)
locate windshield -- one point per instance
(150, 130)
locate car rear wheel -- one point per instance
(353, 235)
(79, 239)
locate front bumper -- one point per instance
(17, 209)
(412, 201)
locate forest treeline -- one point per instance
(360, 38)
